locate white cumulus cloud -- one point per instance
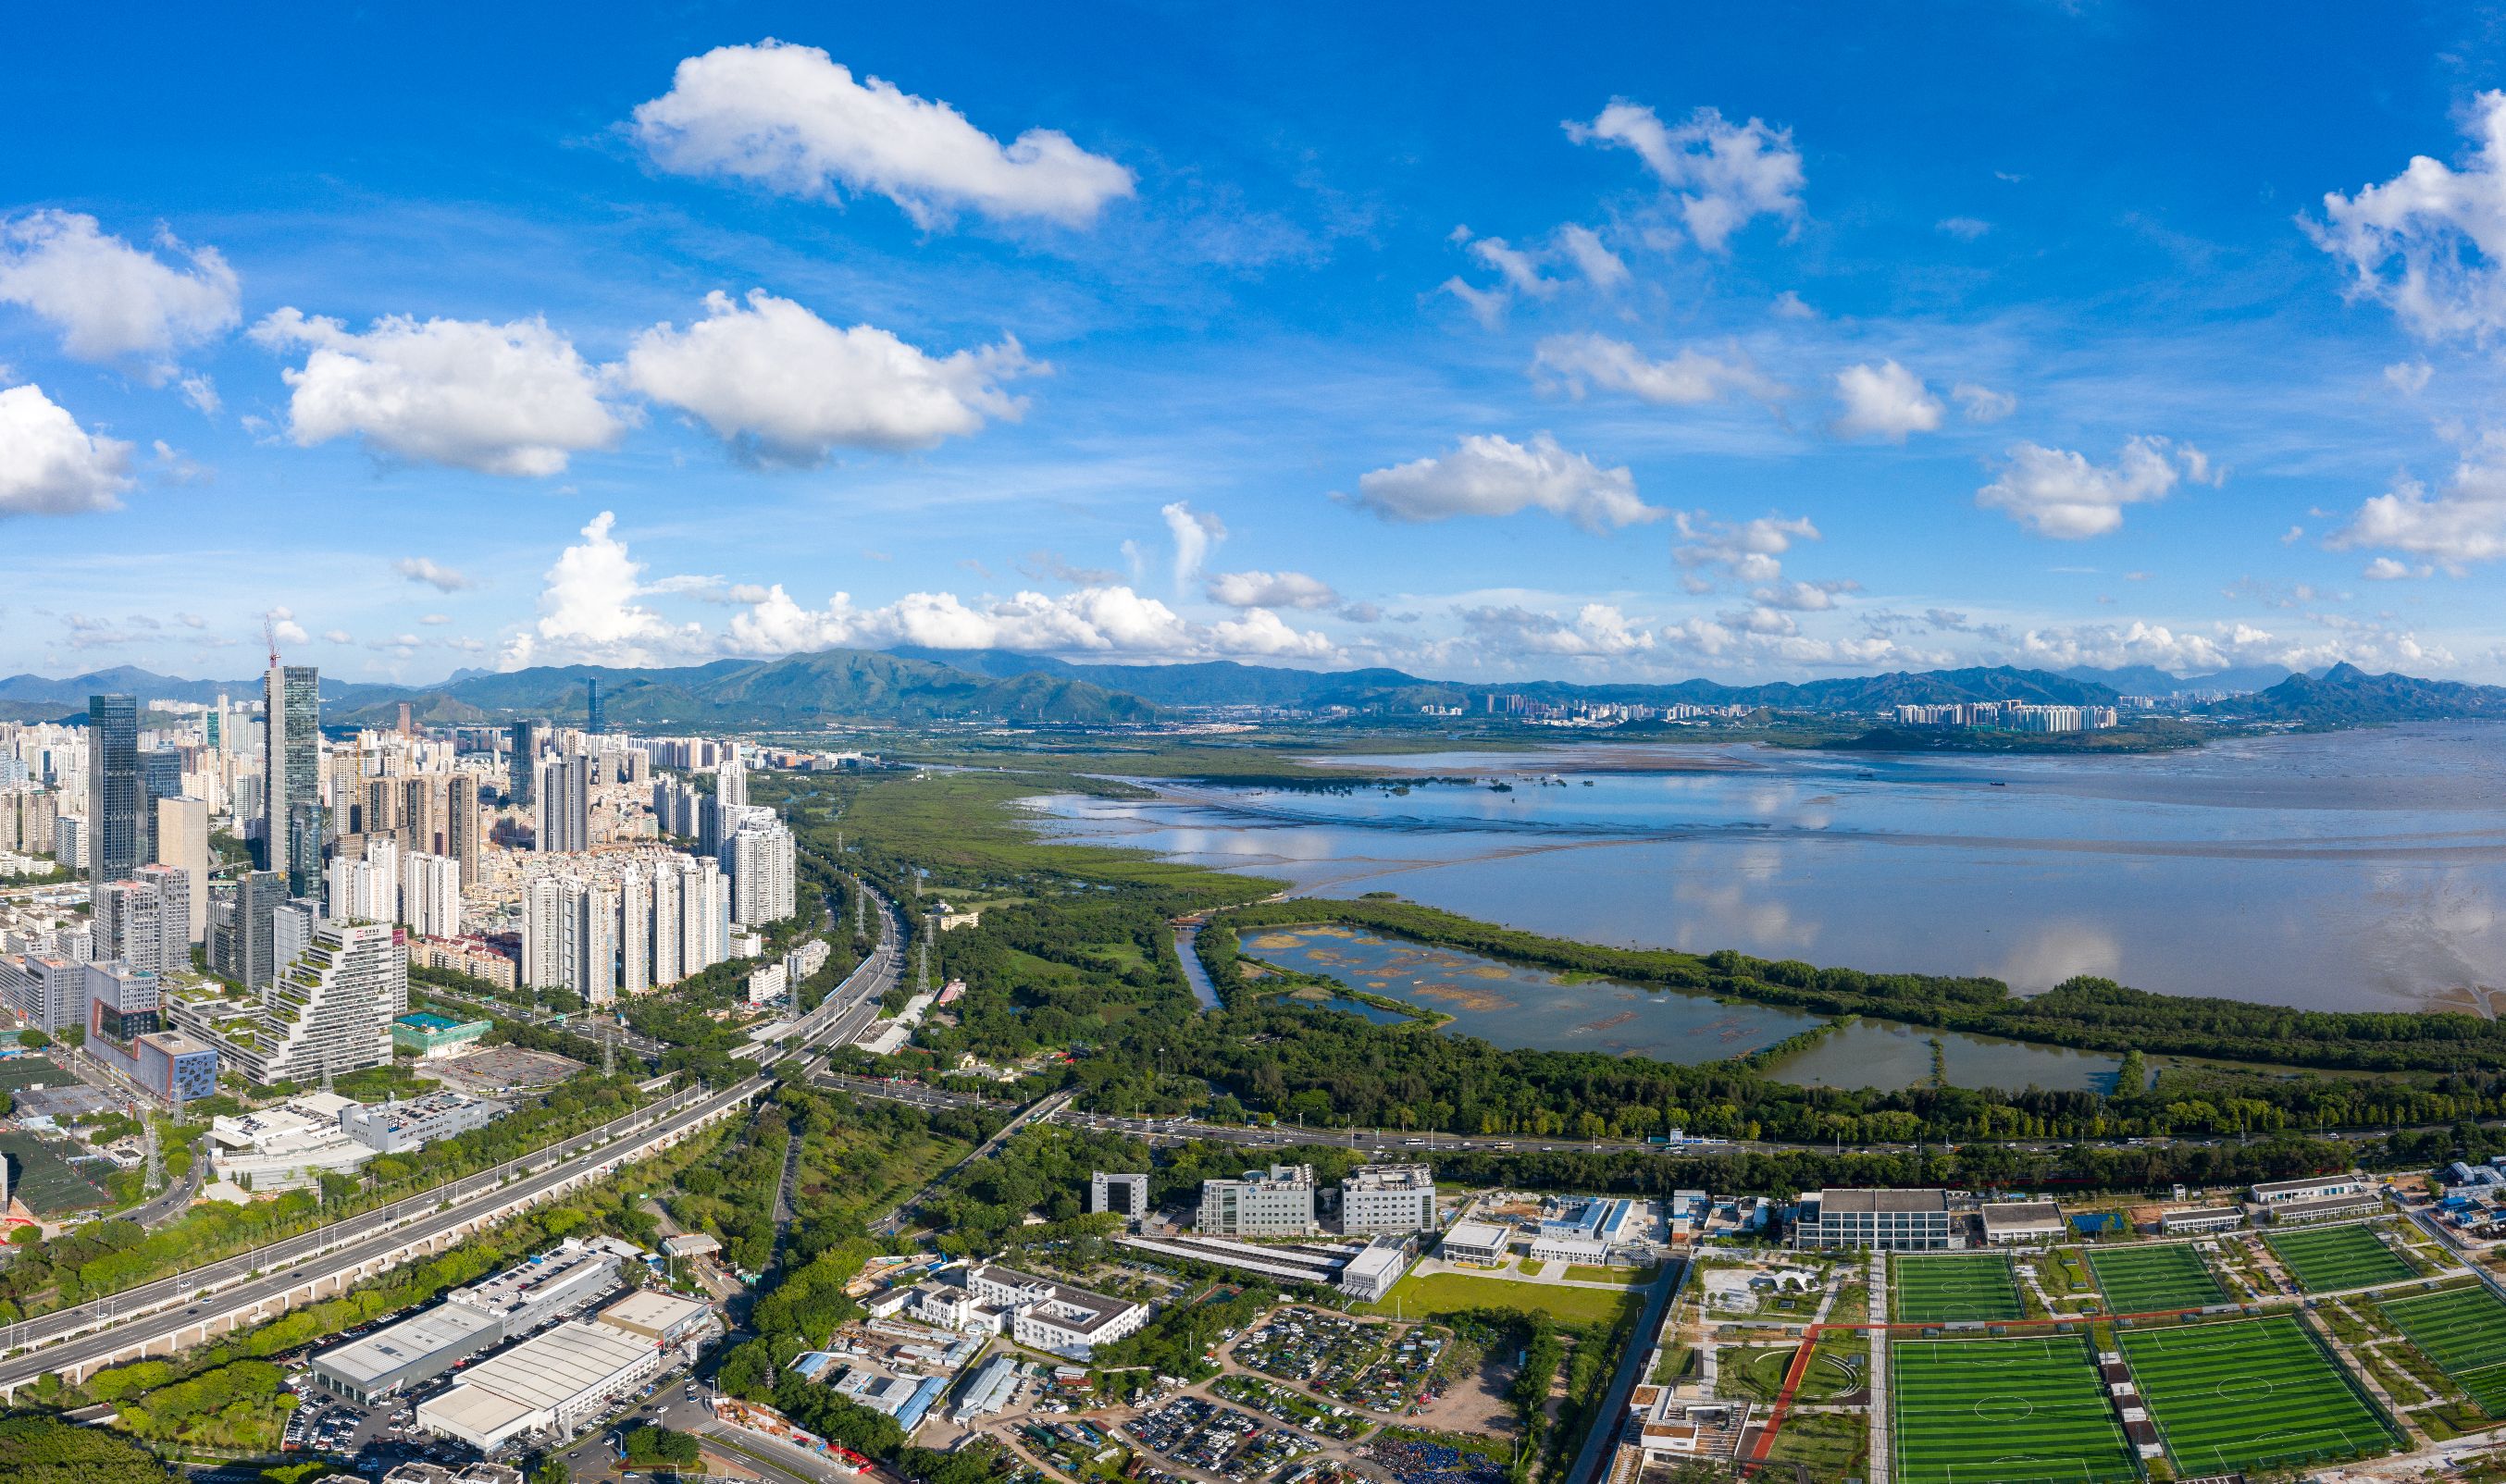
(2058, 493)
(2430, 243)
(1884, 400)
(588, 607)
(2452, 527)
(1721, 175)
(1597, 630)
(776, 382)
(109, 299)
(791, 119)
(513, 399)
(1270, 589)
(1489, 475)
(1195, 534)
(49, 464)
(443, 578)
(1746, 552)
(1687, 379)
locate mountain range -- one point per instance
(926, 684)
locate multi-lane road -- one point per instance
(268, 1279)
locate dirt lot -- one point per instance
(1477, 1404)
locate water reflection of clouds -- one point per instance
(2051, 952)
(1724, 898)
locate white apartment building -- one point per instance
(146, 919)
(430, 894)
(761, 863)
(1388, 1197)
(1277, 1202)
(623, 923)
(366, 889)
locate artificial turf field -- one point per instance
(2139, 1280)
(2334, 1257)
(2464, 1332)
(1934, 1289)
(2029, 1411)
(2250, 1396)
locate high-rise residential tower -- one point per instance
(461, 823)
(522, 767)
(116, 843)
(565, 804)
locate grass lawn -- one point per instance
(1928, 1290)
(1445, 1293)
(2029, 1411)
(1831, 1445)
(1583, 1272)
(2334, 1257)
(2137, 1280)
(2464, 1332)
(2250, 1396)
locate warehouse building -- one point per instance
(665, 1318)
(2277, 1192)
(553, 1282)
(393, 1358)
(550, 1382)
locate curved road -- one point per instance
(61, 1341)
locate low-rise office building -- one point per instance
(1277, 1202)
(2317, 1188)
(1479, 1242)
(1123, 1195)
(2320, 1207)
(2204, 1219)
(287, 1147)
(1388, 1197)
(1051, 1315)
(2010, 1222)
(401, 1125)
(1891, 1221)
(1370, 1275)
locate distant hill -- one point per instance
(2149, 680)
(796, 690)
(2345, 695)
(906, 686)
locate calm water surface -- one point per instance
(1517, 1007)
(2348, 870)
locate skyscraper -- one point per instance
(523, 768)
(565, 804)
(292, 774)
(592, 720)
(183, 842)
(114, 842)
(760, 857)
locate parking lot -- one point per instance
(1219, 1440)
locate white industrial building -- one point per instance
(550, 1382)
(1388, 1197)
(1479, 1242)
(1277, 1202)
(287, 1147)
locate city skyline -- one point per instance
(1637, 352)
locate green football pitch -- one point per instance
(2142, 1280)
(2330, 1258)
(1941, 1289)
(2464, 1332)
(2026, 1411)
(2250, 1396)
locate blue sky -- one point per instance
(1741, 341)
